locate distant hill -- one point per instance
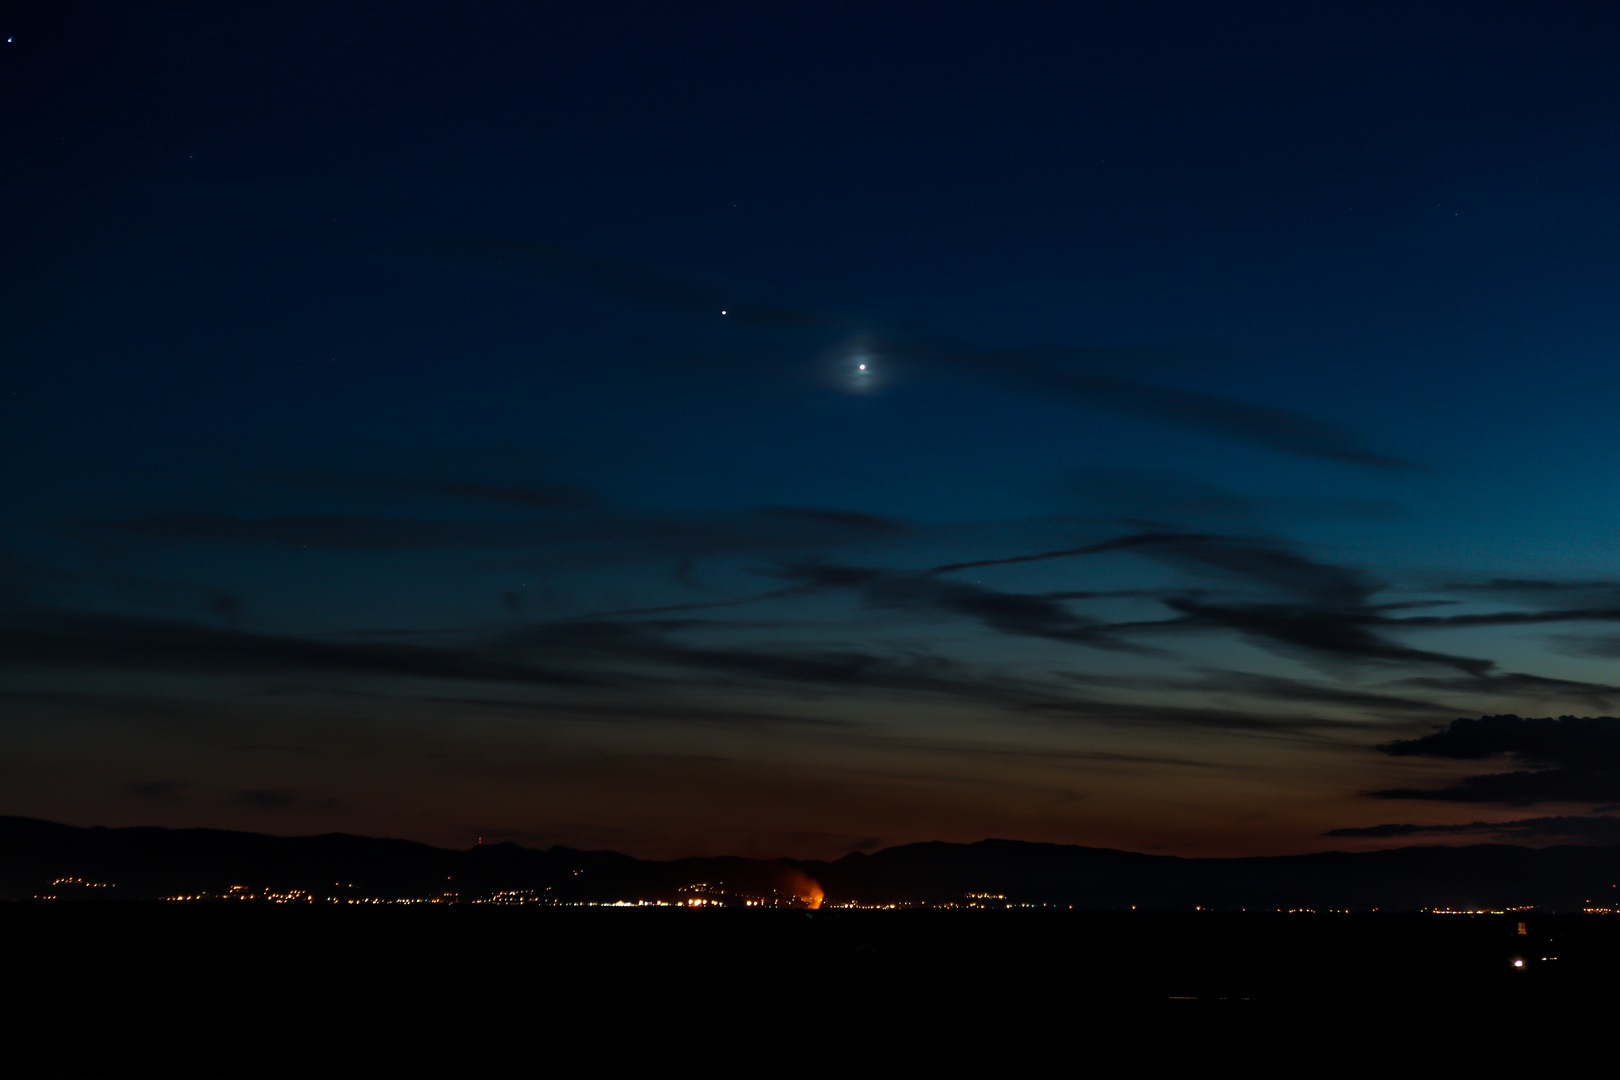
(45, 859)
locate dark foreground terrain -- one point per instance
(243, 989)
(107, 980)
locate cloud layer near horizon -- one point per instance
(1571, 759)
(604, 618)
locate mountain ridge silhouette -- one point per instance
(152, 862)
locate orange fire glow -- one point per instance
(804, 888)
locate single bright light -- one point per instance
(863, 367)
(1518, 963)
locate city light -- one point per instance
(793, 893)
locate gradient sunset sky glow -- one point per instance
(795, 429)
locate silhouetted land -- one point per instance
(225, 989)
(240, 989)
(153, 863)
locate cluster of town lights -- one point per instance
(699, 895)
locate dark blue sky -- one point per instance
(443, 420)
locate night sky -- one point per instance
(785, 429)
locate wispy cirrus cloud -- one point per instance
(602, 535)
(1268, 591)
(547, 497)
(42, 639)
(1263, 589)
(1022, 614)
(1094, 377)
(1573, 829)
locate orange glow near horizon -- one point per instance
(804, 888)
